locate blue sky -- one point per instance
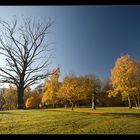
(88, 39)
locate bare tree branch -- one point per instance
(23, 46)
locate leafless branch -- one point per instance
(22, 45)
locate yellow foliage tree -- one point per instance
(70, 90)
(124, 78)
(10, 97)
(76, 89)
(50, 88)
(27, 94)
(34, 100)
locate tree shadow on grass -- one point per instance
(2, 112)
(136, 115)
(116, 115)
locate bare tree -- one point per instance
(22, 43)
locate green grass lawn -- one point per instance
(115, 120)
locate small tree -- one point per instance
(10, 97)
(70, 90)
(50, 88)
(91, 87)
(34, 100)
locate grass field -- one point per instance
(115, 120)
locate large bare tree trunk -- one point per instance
(93, 101)
(20, 93)
(129, 102)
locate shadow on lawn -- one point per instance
(135, 115)
(2, 112)
(116, 115)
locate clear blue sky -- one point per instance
(88, 38)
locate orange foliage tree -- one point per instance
(27, 94)
(50, 88)
(124, 78)
(34, 100)
(70, 90)
(10, 97)
(74, 89)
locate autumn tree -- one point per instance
(10, 97)
(70, 90)
(2, 100)
(23, 44)
(27, 94)
(34, 100)
(90, 87)
(50, 88)
(75, 89)
(124, 78)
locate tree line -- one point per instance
(73, 91)
(23, 44)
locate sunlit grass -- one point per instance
(115, 120)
